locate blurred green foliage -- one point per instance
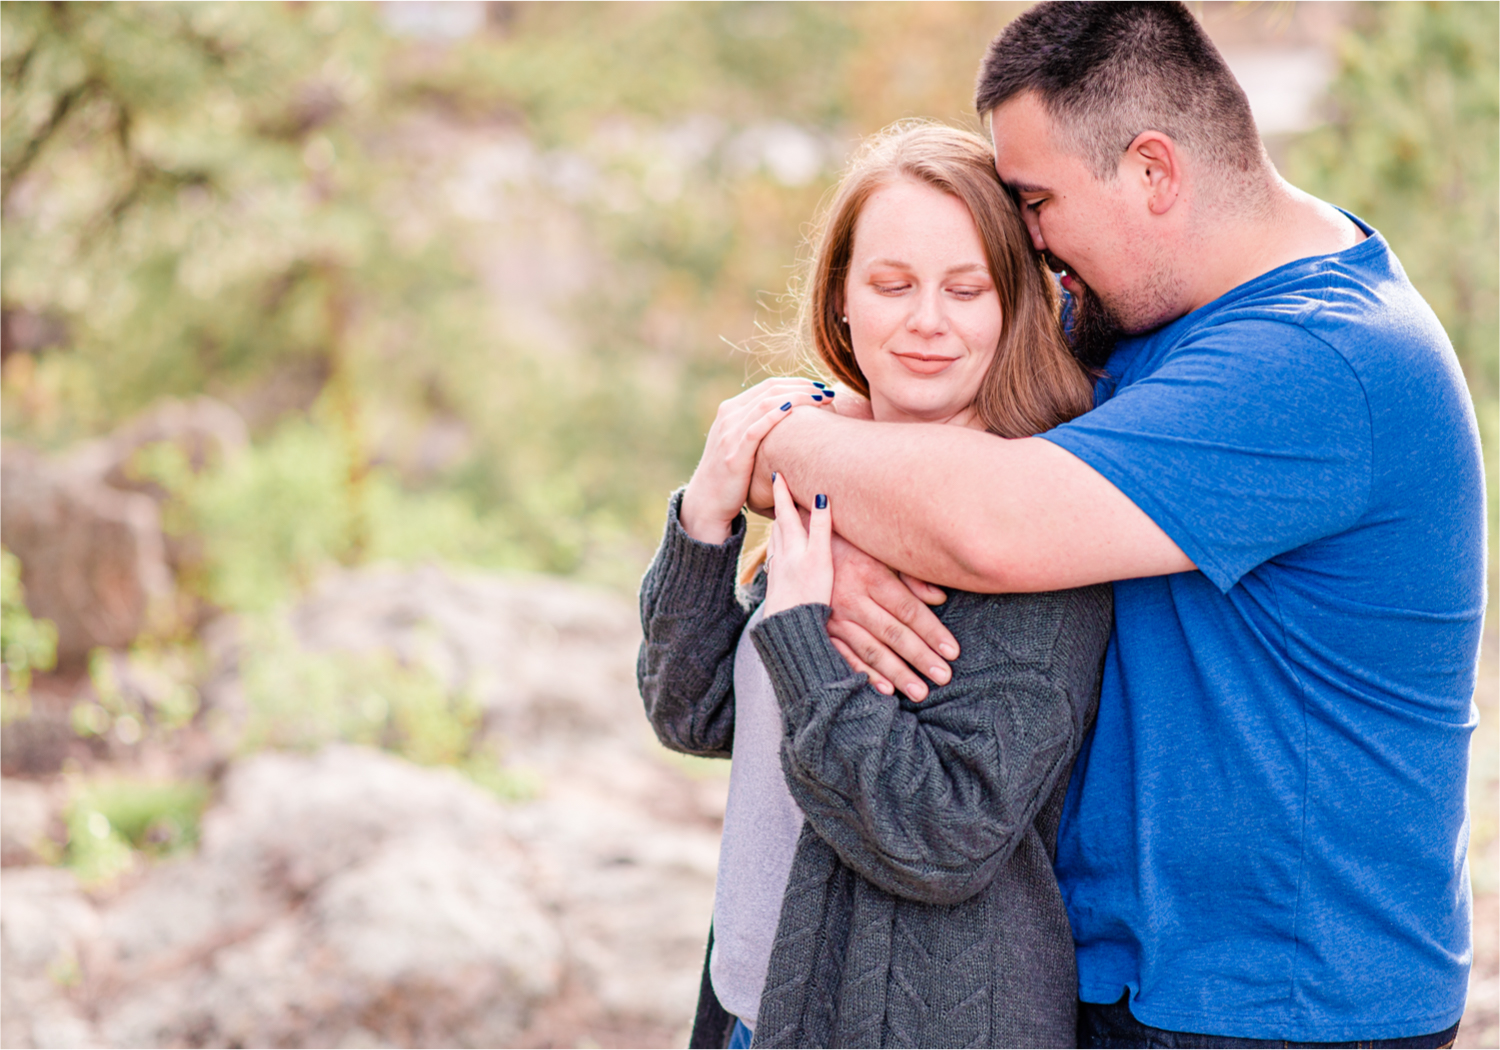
(144, 692)
(341, 232)
(1414, 149)
(265, 524)
(109, 821)
(478, 297)
(27, 645)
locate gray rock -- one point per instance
(544, 658)
(624, 844)
(339, 891)
(28, 822)
(349, 898)
(48, 928)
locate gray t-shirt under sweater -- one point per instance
(761, 827)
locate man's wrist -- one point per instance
(778, 452)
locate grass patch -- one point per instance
(111, 822)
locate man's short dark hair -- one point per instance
(1105, 72)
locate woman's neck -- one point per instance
(884, 412)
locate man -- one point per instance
(1265, 838)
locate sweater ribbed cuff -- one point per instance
(690, 575)
(800, 659)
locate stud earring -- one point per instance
(846, 318)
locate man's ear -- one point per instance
(1154, 164)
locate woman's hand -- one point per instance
(799, 563)
(721, 483)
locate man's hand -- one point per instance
(882, 627)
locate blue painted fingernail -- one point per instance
(773, 475)
(786, 406)
(821, 502)
(830, 393)
(817, 383)
(817, 397)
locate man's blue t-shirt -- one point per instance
(1266, 834)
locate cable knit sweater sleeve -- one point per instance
(928, 800)
(691, 617)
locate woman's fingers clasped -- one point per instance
(721, 483)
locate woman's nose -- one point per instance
(928, 316)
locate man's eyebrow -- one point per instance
(1026, 187)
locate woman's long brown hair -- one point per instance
(1034, 382)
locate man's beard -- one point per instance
(1096, 326)
(1094, 329)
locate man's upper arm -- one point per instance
(1062, 524)
(1251, 441)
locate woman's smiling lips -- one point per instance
(925, 364)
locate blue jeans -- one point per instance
(740, 1038)
(1113, 1025)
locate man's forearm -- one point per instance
(965, 509)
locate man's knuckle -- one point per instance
(908, 610)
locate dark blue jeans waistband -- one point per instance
(1113, 1025)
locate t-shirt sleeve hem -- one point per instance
(1078, 444)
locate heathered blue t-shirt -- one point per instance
(1266, 834)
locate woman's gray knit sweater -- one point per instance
(921, 909)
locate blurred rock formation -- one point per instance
(92, 557)
(350, 898)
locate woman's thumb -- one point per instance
(820, 527)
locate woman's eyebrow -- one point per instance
(898, 264)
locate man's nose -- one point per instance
(1034, 227)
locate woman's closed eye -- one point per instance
(967, 291)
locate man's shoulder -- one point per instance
(1358, 302)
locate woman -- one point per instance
(885, 873)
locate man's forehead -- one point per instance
(1026, 156)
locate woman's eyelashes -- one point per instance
(962, 291)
